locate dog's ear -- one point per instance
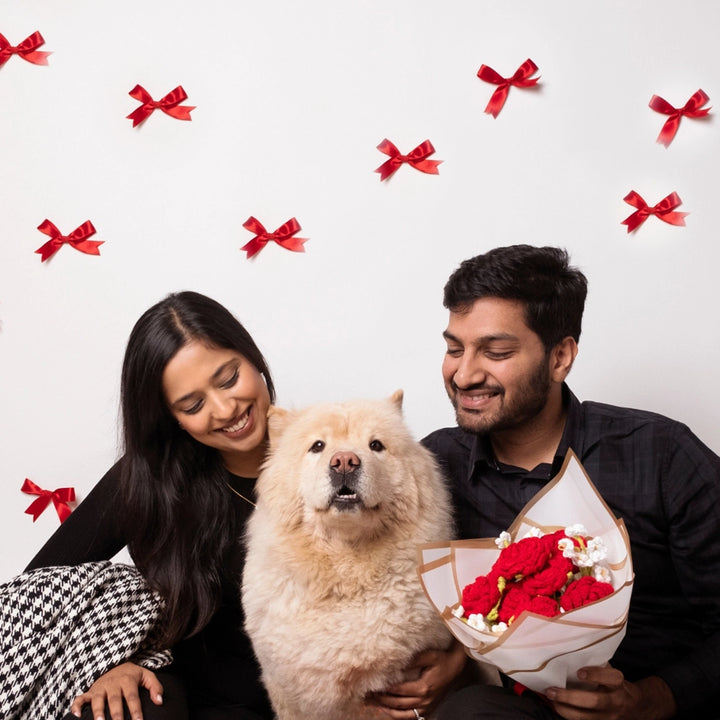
(397, 399)
(278, 419)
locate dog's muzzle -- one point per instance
(345, 472)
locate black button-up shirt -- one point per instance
(665, 484)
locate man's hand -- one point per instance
(438, 669)
(120, 683)
(613, 698)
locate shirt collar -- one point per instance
(481, 450)
(572, 434)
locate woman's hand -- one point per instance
(120, 683)
(438, 669)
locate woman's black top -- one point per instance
(217, 665)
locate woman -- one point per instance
(195, 391)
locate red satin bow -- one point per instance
(521, 78)
(170, 105)
(77, 238)
(60, 498)
(691, 109)
(663, 210)
(416, 158)
(27, 50)
(283, 236)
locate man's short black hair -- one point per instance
(552, 291)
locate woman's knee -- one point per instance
(174, 706)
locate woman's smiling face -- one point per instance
(221, 400)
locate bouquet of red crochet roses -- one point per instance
(546, 574)
(547, 597)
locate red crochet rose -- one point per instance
(551, 540)
(522, 558)
(556, 573)
(514, 602)
(517, 599)
(543, 605)
(481, 596)
(583, 591)
(552, 577)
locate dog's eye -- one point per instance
(376, 446)
(317, 446)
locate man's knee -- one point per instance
(488, 702)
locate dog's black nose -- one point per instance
(344, 462)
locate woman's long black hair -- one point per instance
(180, 520)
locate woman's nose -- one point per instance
(223, 406)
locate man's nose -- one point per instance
(469, 371)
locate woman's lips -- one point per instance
(239, 424)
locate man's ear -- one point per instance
(278, 419)
(562, 358)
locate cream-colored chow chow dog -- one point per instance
(332, 599)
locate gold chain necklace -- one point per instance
(240, 494)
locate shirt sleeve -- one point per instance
(92, 532)
(690, 479)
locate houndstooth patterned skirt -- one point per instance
(62, 627)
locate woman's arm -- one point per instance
(92, 531)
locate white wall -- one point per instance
(292, 99)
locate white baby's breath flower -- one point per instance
(459, 611)
(602, 574)
(575, 530)
(583, 560)
(534, 532)
(500, 627)
(477, 621)
(567, 546)
(597, 550)
(504, 539)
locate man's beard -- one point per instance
(530, 399)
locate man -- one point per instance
(515, 321)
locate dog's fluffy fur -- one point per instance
(332, 599)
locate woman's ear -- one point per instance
(562, 358)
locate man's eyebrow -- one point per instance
(483, 339)
(499, 336)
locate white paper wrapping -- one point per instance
(537, 651)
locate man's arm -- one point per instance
(691, 492)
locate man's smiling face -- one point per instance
(496, 369)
